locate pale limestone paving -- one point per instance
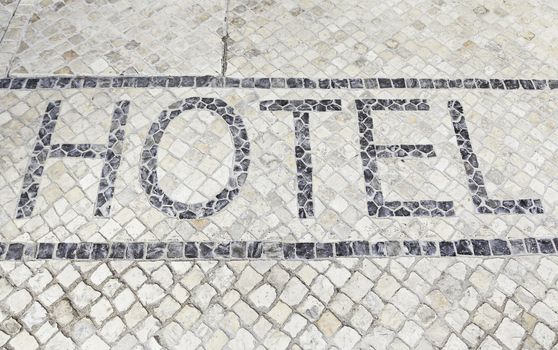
(335, 302)
(15, 16)
(479, 133)
(354, 38)
(266, 203)
(140, 37)
(7, 9)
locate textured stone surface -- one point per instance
(356, 38)
(452, 302)
(284, 175)
(121, 37)
(513, 142)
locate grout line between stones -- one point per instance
(23, 31)
(225, 40)
(10, 22)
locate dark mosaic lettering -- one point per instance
(303, 151)
(482, 203)
(148, 168)
(369, 152)
(111, 153)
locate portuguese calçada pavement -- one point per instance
(262, 174)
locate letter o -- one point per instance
(148, 168)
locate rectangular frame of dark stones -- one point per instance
(300, 250)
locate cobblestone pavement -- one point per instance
(269, 174)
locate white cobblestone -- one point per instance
(401, 302)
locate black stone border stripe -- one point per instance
(104, 82)
(232, 250)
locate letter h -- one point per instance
(111, 153)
